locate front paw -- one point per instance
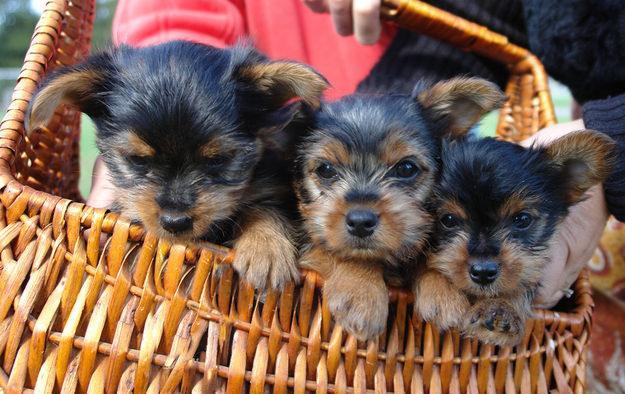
(361, 311)
(439, 302)
(266, 260)
(495, 321)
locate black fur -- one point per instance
(176, 97)
(481, 175)
(361, 122)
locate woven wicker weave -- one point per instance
(141, 314)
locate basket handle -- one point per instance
(426, 19)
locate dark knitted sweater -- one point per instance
(581, 43)
(412, 57)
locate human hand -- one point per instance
(577, 236)
(102, 191)
(358, 17)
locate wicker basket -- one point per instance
(141, 314)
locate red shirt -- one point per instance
(282, 29)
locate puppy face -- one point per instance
(499, 205)
(369, 165)
(183, 126)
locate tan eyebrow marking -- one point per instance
(335, 152)
(516, 203)
(210, 149)
(395, 147)
(137, 146)
(454, 208)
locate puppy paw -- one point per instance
(265, 259)
(360, 311)
(494, 321)
(358, 299)
(439, 302)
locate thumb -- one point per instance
(552, 284)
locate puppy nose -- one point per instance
(361, 223)
(484, 272)
(175, 222)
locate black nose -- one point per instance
(484, 272)
(361, 222)
(175, 222)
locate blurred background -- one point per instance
(17, 22)
(19, 17)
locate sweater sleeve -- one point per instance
(608, 116)
(148, 22)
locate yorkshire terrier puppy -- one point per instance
(193, 137)
(365, 176)
(498, 205)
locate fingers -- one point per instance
(318, 6)
(552, 133)
(367, 25)
(358, 17)
(341, 11)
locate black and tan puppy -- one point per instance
(498, 206)
(366, 172)
(193, 138)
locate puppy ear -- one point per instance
(79, 86)
(455, 105)
(286, 128)
(584, 158)
(280, 81)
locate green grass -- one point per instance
(88, 153)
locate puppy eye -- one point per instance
(405, 169)
(522, 220)
(138, 161)
(326, 171)
(449, 221)
(216, 161)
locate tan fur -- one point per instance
(211, 149)
(516, 204)
(452, 260)
(70, 88)
(265, 255)
(137, 146)
(444, 290)
(402, 216)
(363, 315)
(587, 155)
(438, 300)
(140, 205)
(334, 152)
(454, 208)
(461, 102)
(286, 80)
(350, 265)
(396, 147)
